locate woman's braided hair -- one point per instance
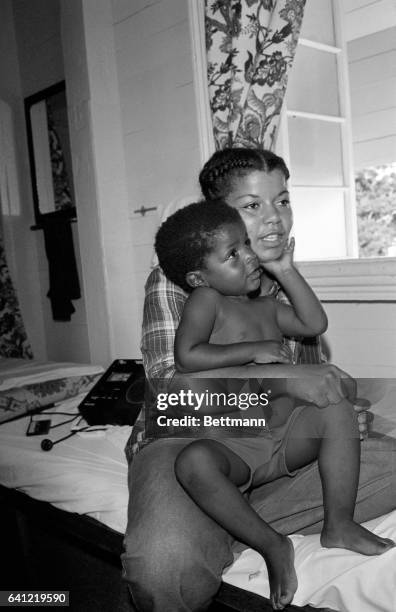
(220, 171)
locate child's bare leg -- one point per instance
(211, 474)
(331, 434)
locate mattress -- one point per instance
(87, 474)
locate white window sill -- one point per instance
(352, 280)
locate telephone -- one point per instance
(117, 397)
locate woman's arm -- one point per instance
(163, 306)
(321, 385)
(193, 352)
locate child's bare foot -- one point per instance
(279, 558)
(352, 536)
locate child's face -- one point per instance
(263, 202)
(232, 267)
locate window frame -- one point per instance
(341, 280)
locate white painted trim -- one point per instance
(350, 210)
(196, 19)
(304, 42)
(353, 280)
(315, 116)
(369, 19)
(321, 187)
(282, 145)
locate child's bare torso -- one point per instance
(239, 319)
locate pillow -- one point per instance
(30, 386)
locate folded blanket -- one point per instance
(18, 372)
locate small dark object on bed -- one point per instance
(38, 428)
(47, 444)
(117, 398)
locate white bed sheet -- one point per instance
(338, 579)
(88, 475)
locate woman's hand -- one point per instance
(365, 418)
(333, 386)
(271, 351)
(321, 384)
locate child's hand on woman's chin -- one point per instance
(284, 263)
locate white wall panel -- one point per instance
(375, 152)
(137, 54)
(156, 96)
(159, 119)
(375, 125)
(146, 18)
(362, 338)
(144, 227)
(372, 66)
(122, 9)
(373, 97)
(354, 5)
(377, 43)
(364, 17)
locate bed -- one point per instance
(64, 511)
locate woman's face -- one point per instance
(263, 202)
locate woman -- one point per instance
(174, 565)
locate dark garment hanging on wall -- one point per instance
(63, 276)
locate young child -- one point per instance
(204, 248)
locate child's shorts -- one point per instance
(266, 453)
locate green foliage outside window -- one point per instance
(376, 210)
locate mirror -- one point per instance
(50, 153)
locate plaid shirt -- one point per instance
(163, 308)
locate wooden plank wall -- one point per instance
(372, 64)
(362, 338)
(154, 62)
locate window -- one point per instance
(336, 127)
(376, 210)
(315, 138)
(325, 139)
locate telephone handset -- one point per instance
(117, 397)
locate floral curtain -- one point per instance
(13, 339)
(250, 50)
